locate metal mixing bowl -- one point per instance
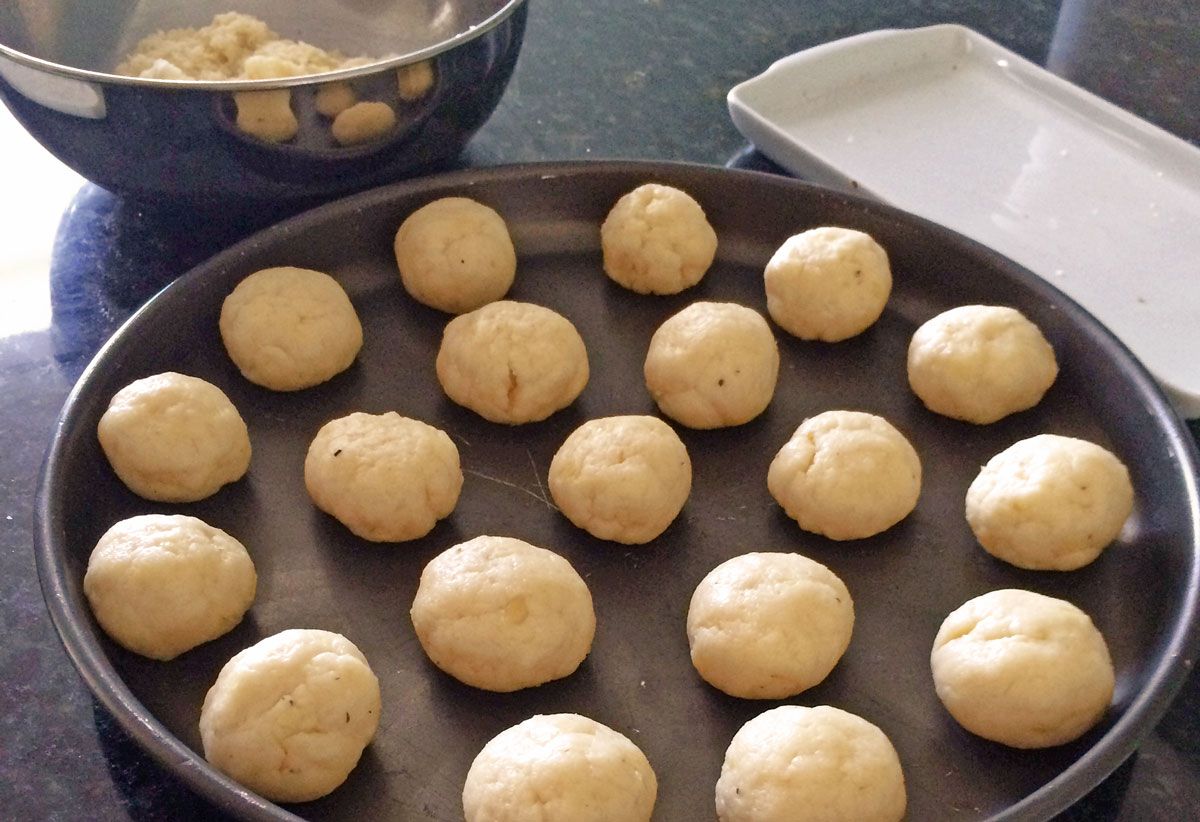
(183, 140)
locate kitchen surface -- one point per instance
(629, 79)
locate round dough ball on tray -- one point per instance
(712, 365)
(1022, 669)
(289, 717)
(161, 584)
(512, 362)
(768, 625)
(290, 328)
(980, 363)
(1050, 502)
(455, 255)
(174, 438)
(560, 767)
(846, 475)
(501, 614)
(622, 478)
(656, 240)
(386, 477)
(794, 764)
(828, 283)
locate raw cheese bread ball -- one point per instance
(1022, 669)
(656, 240)
(769, 625)
(1050, 503)
(559, 768)
(501, 614)
(795, 764)
(174, 438)
(363, 122)
(846, 475)
(386, 477)
(828, 283)
(980, 363)
(290, 328)
(712, 365)
(160, 585)
(289, 717)
(267, 114)
(512, 362)
(622, 478)
(455, 255)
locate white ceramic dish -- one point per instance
(945, 123)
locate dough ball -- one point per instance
(386, 477)
(415, 80)
(455, 255)
(174, 438)
(1050, 503)
(828, 283)
(769, 625)
(980, 363)
(333, 98)
(794, 764)
(290, 328)
(712, 365)
(622, 478)
(512, 362)
(846, 475)
(363, 122)
(267, 114)
(501, 614)
(160, 585)
(559, 767)
(656, 240)
(289, 716)
(1022, 669)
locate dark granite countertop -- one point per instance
(607, 78)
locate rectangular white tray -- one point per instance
(947, 124)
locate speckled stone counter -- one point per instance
(608, 78)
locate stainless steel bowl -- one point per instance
(182, 139)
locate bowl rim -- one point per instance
(391, 62)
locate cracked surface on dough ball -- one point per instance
(656, 240)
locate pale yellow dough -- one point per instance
(290, 328)
(161, 584)
(289, 717)
(846, 475)
(512, 362)
(828, 283)
(712, 365)
(822, 764)
(455, 255)
(560, 768)
(363, 122)
(656, 240)
(1022, 669)
(623, 479)
(386, 477)
(1050, 502)
(501, 614)
(980, 363)
(174, 438)
(768, 625)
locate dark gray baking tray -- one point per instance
(1142, 593)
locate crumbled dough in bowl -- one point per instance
(623, 478)
(501, 614)
(289, 717)
(656, 240)
(512, 362)
(712, 365)
(290, 328)
(1022, 669)
(822, 764)
(174, 438)
(161, 584)
(1050, 502)
(560, 767)
(768, 625)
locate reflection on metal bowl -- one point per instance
(447, 63)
